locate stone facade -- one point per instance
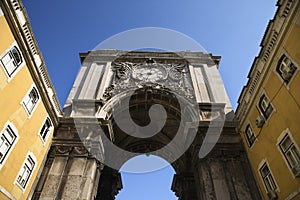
(79, 165)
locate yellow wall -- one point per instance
(286, 101)
(12, 92)
(293, 48)
(3, 197)
(5, 33)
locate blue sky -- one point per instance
(232, 29)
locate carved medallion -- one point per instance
(134, 75)
(150, 73)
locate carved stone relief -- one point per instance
(134, 75)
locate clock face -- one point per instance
(149, 74)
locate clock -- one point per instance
(149, 73)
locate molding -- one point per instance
(19, 23)
(244, 135)
(281, 53)
(49, 132)
(29, 115)
(279, 140)
(15, 130)
(1, 12)
(263, 92)
(32, 172)
(272, 40)
(6, 193)
(15, 72)
(293, 194)
(262, 162)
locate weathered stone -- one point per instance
(101, 87)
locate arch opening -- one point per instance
(169, 141)
(140, 186)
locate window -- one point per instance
(286, 69)
(30, 100)
(8, 138)
(11, 61)
(45, 129)
(290, 151)
(267, 178)
(265, 106)
(26, 171)
(250, 136)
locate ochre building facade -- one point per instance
(269, 107)
(29, 108)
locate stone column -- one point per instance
(224, 177)
(203, 178)
(184, 186)
(69, 176)
(109, 185)
(79, 179)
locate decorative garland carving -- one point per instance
(70, 150)
(80, 150)
(63, 150)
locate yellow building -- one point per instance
(28, 106)
(269, 106)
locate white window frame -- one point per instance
(282, 61)
(17, 69)
(262, 112)
(279, 141)
(246, 135)
(29, 156)
(260, 166)
(26, 98)
(15, 132)
(44, 140)
(1, 13)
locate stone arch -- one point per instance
(72, 172)
(140, 102)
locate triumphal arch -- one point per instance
(168, 104)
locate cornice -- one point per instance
(20, 25)
(271, 42)
(109, 55)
